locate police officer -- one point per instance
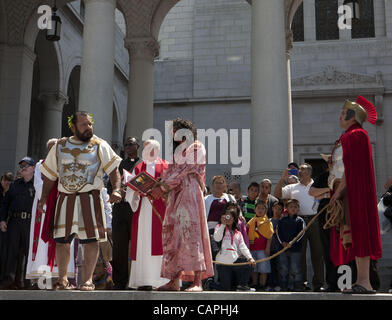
(122, 220)
(16, 209)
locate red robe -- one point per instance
(361, 197)
(46, 227)
(156, 234)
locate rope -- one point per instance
(156, 211)
(284, 249)
(334, 216)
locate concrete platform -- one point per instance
(182, 296)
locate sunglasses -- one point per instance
(22, 166)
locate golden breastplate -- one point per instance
(78, 164)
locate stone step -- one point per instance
(176, 296)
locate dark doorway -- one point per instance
(318, 165)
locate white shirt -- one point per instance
(300, 192)
(231, 247)
(107, 207)
(337, 171)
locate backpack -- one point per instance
(216, 246)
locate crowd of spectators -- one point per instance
(267, 223)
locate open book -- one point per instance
(142, 183)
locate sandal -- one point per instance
(61, 286)
(87, 286)
(358, 289)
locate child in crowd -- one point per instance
(232, 246)
(241, 221)
(248, 208)
(273, 282)
(290, 261)
(260, 232)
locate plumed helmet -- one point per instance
(364, 110)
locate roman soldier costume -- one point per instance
(80, 166)
(354, 151)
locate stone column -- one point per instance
(381, 162)
(379, 18)
(16, 77)
(53, 103)
(142, 52)
(97, 70)
(270, 119)
(290, 141)
(388, 18)
(344, 34)
(309, 20)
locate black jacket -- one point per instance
(288, 228)
(19, 198)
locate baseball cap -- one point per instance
(28, 160)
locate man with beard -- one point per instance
(79, 163)
(185, 238)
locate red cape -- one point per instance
(47, 227)
(361, 197)
(156, 234)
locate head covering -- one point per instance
(28, 160)
(364, 110)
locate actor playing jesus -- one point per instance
(185, 238)
(359, 184)
(146, 235)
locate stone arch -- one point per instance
(292, 7)
(45, 87)
(144, 18)
(120, 16)
(35, 135)
(73, 84)
(73, 62)
(49, 59)
(160, 13)
(32, 34)
(117, 143)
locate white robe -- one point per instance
(146, 270)
(35, 269)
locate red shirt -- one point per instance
(259, 243)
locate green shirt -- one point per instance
(249, 209)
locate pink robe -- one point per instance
(185, 238)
